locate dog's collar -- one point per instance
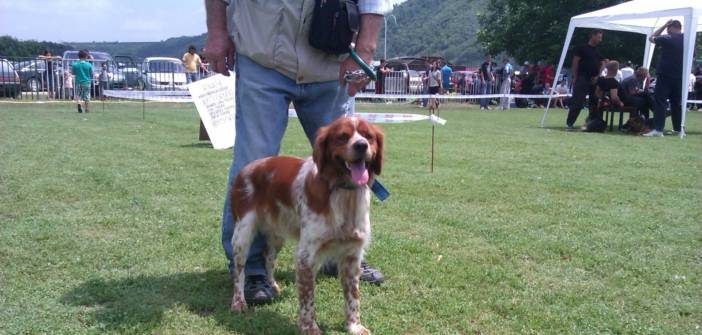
(346, 185)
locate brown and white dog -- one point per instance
(323, 202)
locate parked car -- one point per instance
(33, 76)
(116, 78)
(130, 69)
(163, 74)
(9, 80)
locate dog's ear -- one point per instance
(319, 152)
(377, 164)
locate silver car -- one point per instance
(115, 77)
(162, 74)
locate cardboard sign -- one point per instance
(214, 100)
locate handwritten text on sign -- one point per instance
(214, 100)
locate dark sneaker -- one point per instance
(257, 290)
(368, 273)
(80, 109)
(371, 275)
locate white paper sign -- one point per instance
(214, 100)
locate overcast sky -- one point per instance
(103, 20)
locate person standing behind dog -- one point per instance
(276, 65)
(192, 64)
(668, 77)
(587, 62)
(83, 71)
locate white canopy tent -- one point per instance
(644, 17)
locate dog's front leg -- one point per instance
(349, 274)
(304, 279)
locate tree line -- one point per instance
(461, 31)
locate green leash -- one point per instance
(362, 64)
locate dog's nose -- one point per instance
(360, 146)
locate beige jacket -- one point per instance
(274, 33)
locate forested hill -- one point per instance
(435, 28)
(424, 28)
(172, 47)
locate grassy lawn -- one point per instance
(109, 223)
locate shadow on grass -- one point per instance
(198, 145)
(615, 131)
(139, 304)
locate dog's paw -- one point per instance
(311, 329)
(358, 329)
(275, 287)
(238, 304)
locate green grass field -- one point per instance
(109, 223)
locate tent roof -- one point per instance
(639, 16)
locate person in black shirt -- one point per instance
(381, 73)
(587, 62)
(635, 92)
(608, 88)
(669, 77)
(50, 81)
(486, 79)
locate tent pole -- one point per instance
(569, 37)
(688, 54)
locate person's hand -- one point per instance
(350, 65)
(219, 50)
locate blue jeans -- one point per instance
(191, 77)
(484, 89)
(262, 99)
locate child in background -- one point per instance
(103, 78)
(83, 71)
(68, 84)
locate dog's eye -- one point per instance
(341, 138)
(368, 136)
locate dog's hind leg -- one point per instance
(274, 244)
(349, 275)
(243, 236)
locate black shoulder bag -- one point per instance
(334, 24)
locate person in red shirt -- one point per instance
(546, 74)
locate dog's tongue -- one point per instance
(359, 173)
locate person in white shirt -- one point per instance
(559, 90)
(627, 71)
(68, 85)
